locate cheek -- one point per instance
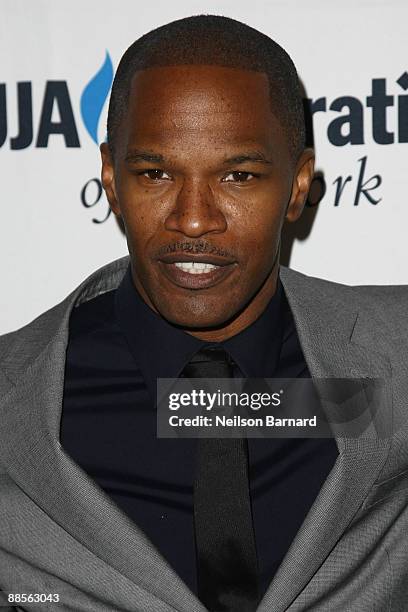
(142, 218)
(257, 231)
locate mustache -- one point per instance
(198, 246)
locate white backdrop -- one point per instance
(60, 56)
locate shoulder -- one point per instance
(385, 303)
(390, 296)
(19, 348)
(380, 293)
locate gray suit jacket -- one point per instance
(60, 533)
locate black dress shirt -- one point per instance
(117, 349)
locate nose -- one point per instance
(195, 211)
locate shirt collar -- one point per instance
(162, 350)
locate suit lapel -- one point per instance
(329, 331)
(30, 415)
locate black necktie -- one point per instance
(225, 540)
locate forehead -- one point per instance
(200, 103)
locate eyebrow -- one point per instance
(136, 155)
(251, 156)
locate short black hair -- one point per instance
(214, 40)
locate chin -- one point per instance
(198, 318)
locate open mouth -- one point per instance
(196, 272)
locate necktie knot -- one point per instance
(209, 362)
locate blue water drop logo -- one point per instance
(94, 96)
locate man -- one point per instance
(204, 163)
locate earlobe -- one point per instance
(108, 178)
(303, 177)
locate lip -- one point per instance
(185, 280)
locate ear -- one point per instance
(108, 178)
(302, 180)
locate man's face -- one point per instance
(203, 179)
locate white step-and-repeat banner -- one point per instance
(57, 63)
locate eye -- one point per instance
(155, 174)
(239, 177)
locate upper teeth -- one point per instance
(195, 267)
